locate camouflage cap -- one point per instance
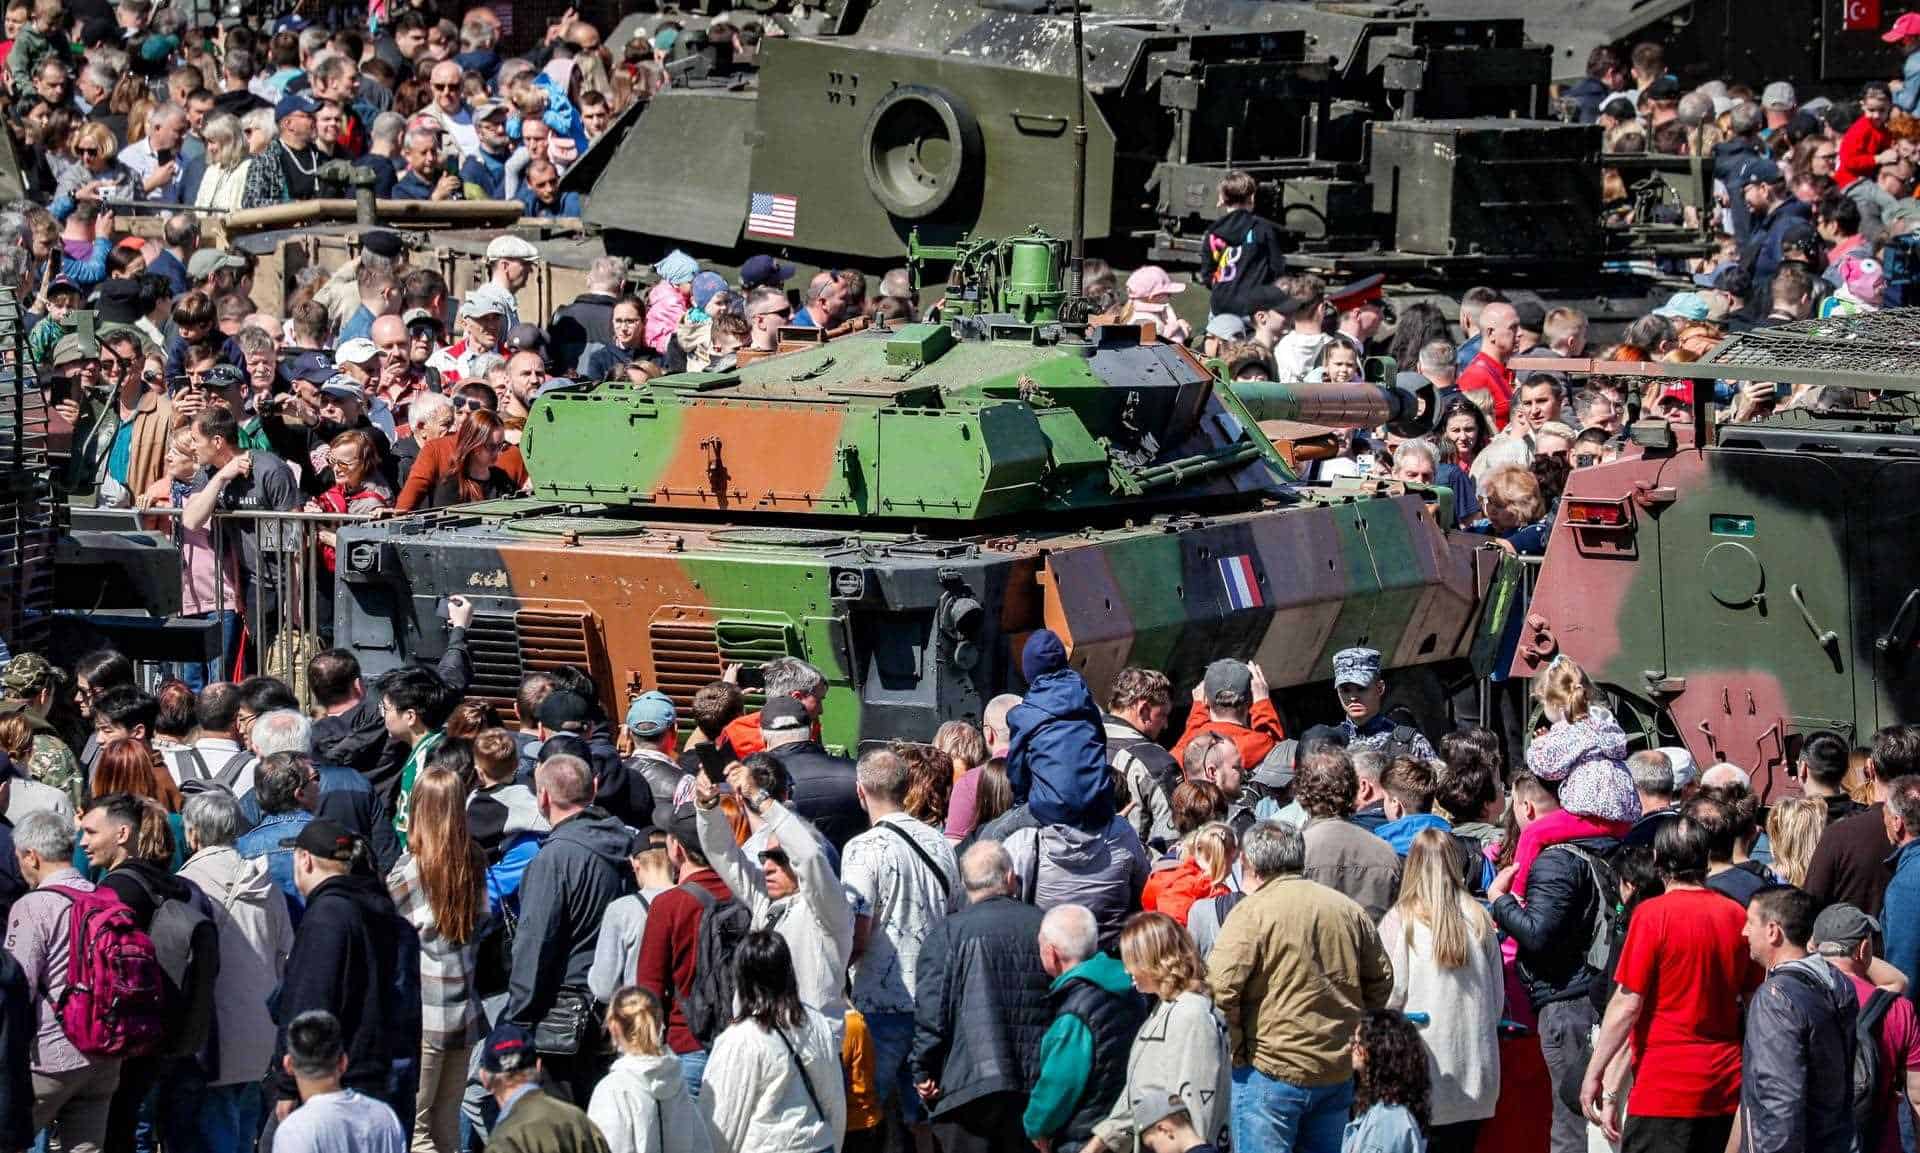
(1356, 667)
(28, 673)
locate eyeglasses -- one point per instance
(468, 404)
(83, 151)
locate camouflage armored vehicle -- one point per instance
(902, 506)
(1383, 141)
(1737, 588)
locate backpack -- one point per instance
(112, 1005)
(186, 942)
(1868, 1087)
(1224, 903)
(202, 780)
(708, 1005)
(1164, 771)
(1600, 933)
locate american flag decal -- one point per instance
(1242, 585)
(772, 214)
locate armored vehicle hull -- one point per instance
(1735, 590)
(909, 630)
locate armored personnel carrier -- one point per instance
(1383, 141)
(903, 506)
(1735, 588)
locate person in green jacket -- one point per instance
(530, 1120)
(1083, 1056)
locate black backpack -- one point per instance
(186, 942)
(1164, 770)
(708, 1005)
(1868, 1084)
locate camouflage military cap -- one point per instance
(27, 673)
(1356, 667)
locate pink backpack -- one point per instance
(112, 1005)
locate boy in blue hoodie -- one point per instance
(1057, 749)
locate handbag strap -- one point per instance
(806, 1082)
(926, 858)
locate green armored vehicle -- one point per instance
(1736, 587)
(903, 507)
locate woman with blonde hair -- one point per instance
(1446, 964)
(642, 1104)
(1794, 826)
(219, 179)
(1183, 1040)
(1204, 871)
(439, 886)
(99, 166)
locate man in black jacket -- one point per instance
(353, 733)
(357, 958)
(823, 784)
(980, 1010)
(1553, 930)
(1796, 1071)
(580, 870)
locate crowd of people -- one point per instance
(392, 922)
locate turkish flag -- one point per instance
(1860, 15)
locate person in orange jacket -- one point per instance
(1232, 700)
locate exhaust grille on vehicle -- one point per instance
(504, 649)
(691, 654)
(27, 514)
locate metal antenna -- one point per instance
(1076, 263)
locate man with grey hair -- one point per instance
(337, 793)
(904, 879)
(93, 86)
(588, 320)
(580, 870)
(286, 789)
(1652, 773)
(980, 1009)
(256, 934)
(1083, 1055)
(1416, 462)
(1293, 971)
(383, 151)
(154, 159)
(1438, 361)
(70, 1088)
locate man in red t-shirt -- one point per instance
(1844, 936)
(1867, 143)
(1683, 973)
(670, 944)
(1488, 372)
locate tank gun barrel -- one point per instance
(1405, 412)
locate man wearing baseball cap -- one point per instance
(1843, 936)
(530, 1117)
(1231, 699)
(355, 957)
(289, 169)
(650, 722)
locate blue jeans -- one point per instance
(693, 1070)
(198, 674)
(1274, 1116)
(230, 1116)
(892, 1038)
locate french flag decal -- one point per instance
(1243, 587)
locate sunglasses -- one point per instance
(468, 404)
(86, 152)
(446, 87)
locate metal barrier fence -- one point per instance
(285, 607)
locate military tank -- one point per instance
(1382, 141)
(1736, 588)
(903, 506)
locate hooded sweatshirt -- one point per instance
(665, 307)
(1057, 749)
(579, 872)
(1106, 870)
(507, 825)
(256, 935)
(642, 1106)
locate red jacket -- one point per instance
(742, 736)
(1255, 742)
(1175, 891)
(1864, 141)
(668, 949)
(1484, 372)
